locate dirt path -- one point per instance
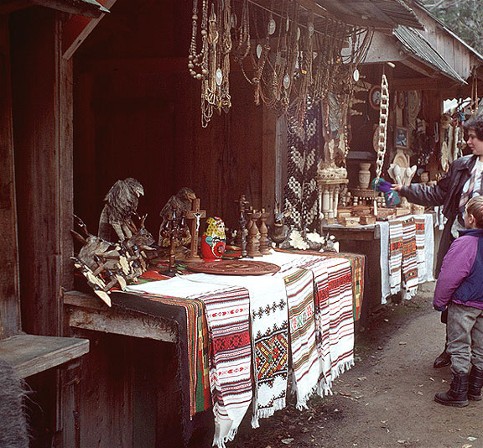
(386, 399)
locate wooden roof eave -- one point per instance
(86, 8)
(361, 13)
(380, 14)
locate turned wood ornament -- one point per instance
(264, 240)
(253, 245)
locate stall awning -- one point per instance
(379, 14)
(418, 47)
(382, 14)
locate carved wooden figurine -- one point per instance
(179, 204)
(115, 222)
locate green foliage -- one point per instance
(463, 17)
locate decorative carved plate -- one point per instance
(375, 97)
(234, 267)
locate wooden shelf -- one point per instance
(31, 354)
(88, 312)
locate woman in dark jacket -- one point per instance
(462, 181)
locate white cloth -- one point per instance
(427, 273)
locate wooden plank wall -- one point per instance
(42, 128)
(43, 152)
(9, 292)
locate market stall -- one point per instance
(171, 94)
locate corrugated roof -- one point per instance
(417, 46)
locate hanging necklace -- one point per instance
(195, 59)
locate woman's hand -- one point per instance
(396, 187)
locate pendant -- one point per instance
(218, 76)
(311, 29)
(355, 75)
(286, 81)
(287, 25)
(298, 33)
(272, 26)
(259, 51)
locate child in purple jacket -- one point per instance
(460, 289)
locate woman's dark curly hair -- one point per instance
(475, 123)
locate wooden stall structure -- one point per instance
(423, 68)
(89, 97)
(36, 198)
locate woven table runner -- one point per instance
(227, 317)
(395, 255)
(409, 259)
(269, 330)
(333, 317)
(299, 284)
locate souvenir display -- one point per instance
(289, 61)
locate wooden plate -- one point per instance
(234, 267)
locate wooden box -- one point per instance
(367, 219)
(349, 221)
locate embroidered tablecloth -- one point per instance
(306, 308)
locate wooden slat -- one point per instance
(9, 285)
(89, 313)
(30, 354)
(78, 28)
(366, 233)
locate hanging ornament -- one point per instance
(218, 77)
(272, 26)
(286, 81)
(355, 75)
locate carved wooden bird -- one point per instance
(176, 206)
(115, 222)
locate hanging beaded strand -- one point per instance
(197, 59)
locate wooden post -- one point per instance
(195, 215)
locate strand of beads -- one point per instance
(196, 59)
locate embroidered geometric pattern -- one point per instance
(300, 192)
(271, 357)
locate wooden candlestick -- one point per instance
(253, 246)
(264, 240)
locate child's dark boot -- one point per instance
(457, 395)
(475, 384)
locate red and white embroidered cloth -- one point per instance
(311, 296)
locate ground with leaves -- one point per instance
(386, 399)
